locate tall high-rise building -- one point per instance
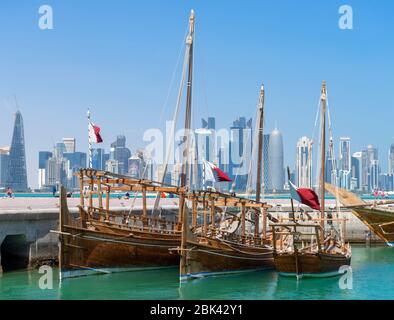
(344, 153)
(17, 175)
(4, 159)
(112, 165)
(374, 175)
(76, 161)
(276, 165)
(43, 157)
(206, 150)
(369, 169)
(364, 179)
(137, 166)
(330, 173)
(344, 162)
(98, 159)
(121, 154)
(57, 168)
(70, 144)
(356, 171)
(391, 160)
(240, 152)
(304, 163)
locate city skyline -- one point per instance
(56, 80)
(351, 169)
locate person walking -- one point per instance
(9, 192)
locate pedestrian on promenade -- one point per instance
(54, 191)
(9, 192)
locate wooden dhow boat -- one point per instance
(377, 216)
(210, 250)
(100, 240)
(312, 249)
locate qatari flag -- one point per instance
(94, 133)
(213, 173)
(305, 196)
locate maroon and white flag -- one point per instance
(213, 173)
(94, 133)
(305, 196)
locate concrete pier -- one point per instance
(25, 224)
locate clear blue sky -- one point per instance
(118, 57)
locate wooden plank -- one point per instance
(144, 206)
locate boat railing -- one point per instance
(135, 222)
(247, 239)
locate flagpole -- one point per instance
(291, 198)
(203, 175)
(90, 142)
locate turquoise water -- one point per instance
(373, 274)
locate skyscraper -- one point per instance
(76, 161)
(276, 166)
(4, 159)
(356, 171)
(121, 154)
(304, 163)
(344, 162)
(330, 173)
(16, 175)
(370, 169)
(391, 160)
(98, 159)
(43, 157)
(70, 144)
(138, 166)
(240, 152)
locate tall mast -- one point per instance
(90, 141)
(323, 101)
(260, 150)
(186, 139)
(183, 217)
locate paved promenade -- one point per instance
(52, 203)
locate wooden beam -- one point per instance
(264, 223)
(194, 212)
(100, 194)
(107, 197)
(243, 223)
(91, 195)
(144, 211)
(81, 197)
(212, 209)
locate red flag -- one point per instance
(94, 133)
(213, 173)
(305, 196)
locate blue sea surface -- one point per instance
(372, 273)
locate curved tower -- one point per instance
(276, 166)
(16, 175)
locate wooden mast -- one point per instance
(323, 100)
(260, 158)
(183, 214)
(186, 138)
(260, 150)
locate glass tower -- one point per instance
(16, 175)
